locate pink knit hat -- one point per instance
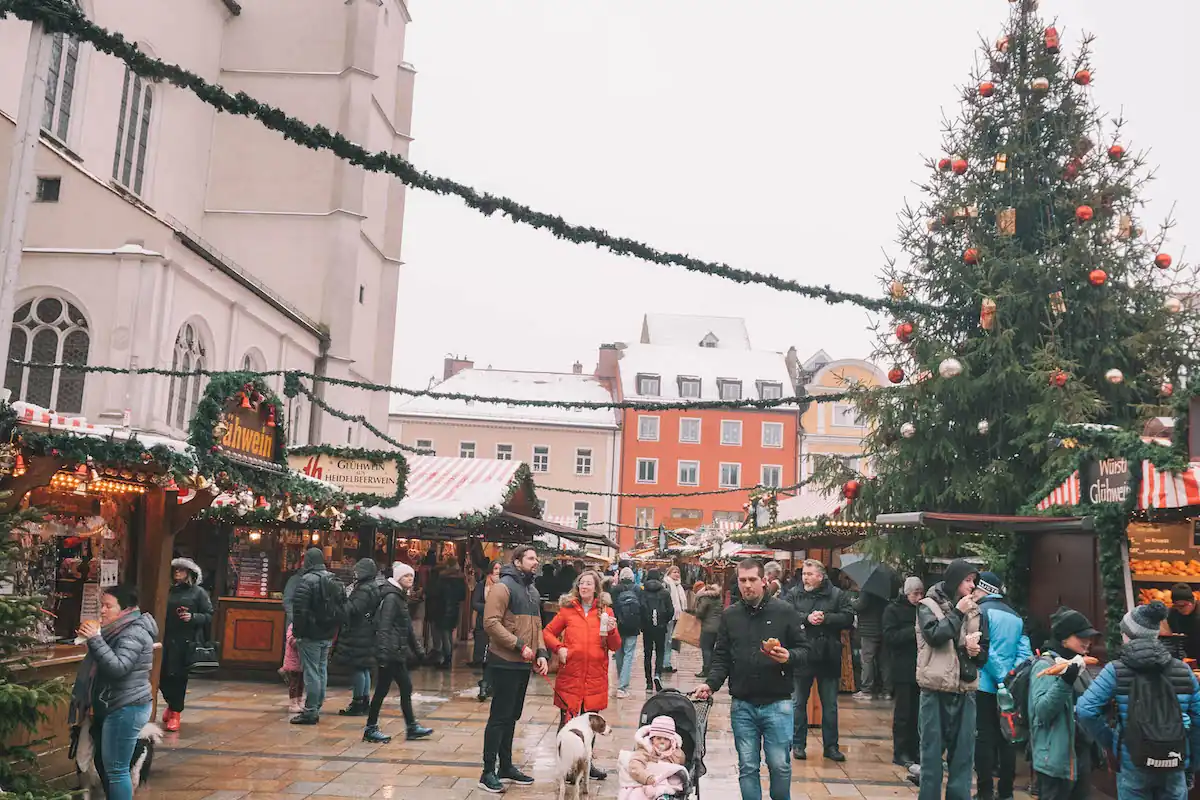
(663, 726)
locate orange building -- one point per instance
(697, 358)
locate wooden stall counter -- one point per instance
(57, 661)
(252, 632)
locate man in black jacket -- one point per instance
(900, 642)
(316, 617)
(658, 610)
(825, 612)
(760, 681)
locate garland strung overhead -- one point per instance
(290, 374)
(757, 487)
(62, 17)
(292, 387)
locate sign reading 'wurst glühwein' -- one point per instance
(1106, 481)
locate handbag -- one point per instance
(687, 630)
(203, 655)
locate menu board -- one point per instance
(89, 610)
(253, 571)
(1164, 551)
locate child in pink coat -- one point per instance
(293, 674)
(656, 766)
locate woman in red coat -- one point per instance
(582, 634)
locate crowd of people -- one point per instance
(970, 692)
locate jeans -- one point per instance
(479, 653)
(947, 726)
(173, 688)
(653, 642)
(443, 642)
(994, 756)
(875, 668)
(388, 672)
(114, 748)
(708, 642)
(625, 655)
(765, 728)
(827, 690)
(1138, 784)
(314, 658)
(667, 651)
(360, 682)
(508, 701)
(1063, 788)
(905, 742)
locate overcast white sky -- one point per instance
(776, 135)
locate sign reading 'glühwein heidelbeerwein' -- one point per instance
(1107, 481)
(351, 475)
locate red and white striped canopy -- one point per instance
(1065, 495)
(1169, 489)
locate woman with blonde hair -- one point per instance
(582, 634)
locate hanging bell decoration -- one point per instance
(19, 464)
(262, 502)
(244, 400)
(270, 416)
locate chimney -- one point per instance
(453, 365)
(609, 356)
(577, 368)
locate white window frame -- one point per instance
(737, 422)
(583, 460)
(773, 426)
(657, 427)
(69, 323)
(657, 382)
(424, 444)
(184, 391)
(843, 408)
(721, 475)
(506, 455)
(133, 132)
(638, 470)
(585, 516)
(467, 447)
(699, 429)
(643, 518)
(775, 386)
(762, 475)
(723, 382)
(690, 380)
(679, 472)
(62, 73)
(533, 462)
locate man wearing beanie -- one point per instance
(952, 645)
(1146, 773)
(395, 643)
(1184, 618)
(1007, 646)
(318, 608)
(900, 639)
(1063, 756)
(629, 625)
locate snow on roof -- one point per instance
(519, 386)
(686, 330)
(45, 419)
(448, 488)
(707, 364)
(808, 505)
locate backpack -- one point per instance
(1014, 721)
(628, 609)
(330, 608)
(1153, 732)
(658, 610)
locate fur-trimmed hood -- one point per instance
(642, 739)
(190, 566)
(604, 600)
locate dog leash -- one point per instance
(553, 688)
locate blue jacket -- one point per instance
(1009, 644)
(1113, 683)
(1052, 719)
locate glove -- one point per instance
(1071, 673)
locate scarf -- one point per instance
(85, 679)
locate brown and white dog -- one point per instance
(139, 766)
(575, 743)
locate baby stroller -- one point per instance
(691, 723)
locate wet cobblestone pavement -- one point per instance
(236, 743)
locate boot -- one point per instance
(416, 731)
(172, 721)
(357, 708)
(372, 734)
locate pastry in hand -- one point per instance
(769, 645)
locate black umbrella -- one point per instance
(872, 577)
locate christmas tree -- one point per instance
(22, 702)
(1054, 305)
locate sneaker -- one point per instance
(306, 717)
(596, 774)
(862, 696)
(833, 754)
(358, 708)
(514, 775)
(701, 674)
(799, 754)
(490, 783)
(622, 694)
(373, 735)
(295, 707)
(417, 731)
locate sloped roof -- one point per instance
(707, 364)
(808, 505)
(686, 330)
(448, 488)
(519, 386)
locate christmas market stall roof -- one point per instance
(987, 523)
(1158, 489)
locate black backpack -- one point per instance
(1153, 732)
(1014, 723)
(329, 610)
(628, 609)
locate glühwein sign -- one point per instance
(351, 475)
(1107, 481)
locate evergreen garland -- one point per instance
(62, 17)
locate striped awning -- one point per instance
(1065, 495)
(448, 488)
(1169, 489)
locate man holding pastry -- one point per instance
(760, 642)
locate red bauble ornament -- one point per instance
(1083, 77)
(1097, 277)
(944, 165)
(904, 331)
(895, 374)
(55, 452)
(1058, 378)
(987, 89)
(1051, 40)
(216, 448)
(1167, 389)
(1116, 152)
(959, 166)
(1071, 172)
(1162, 261)
(1084, 213)
(850, 489)
(971, 256)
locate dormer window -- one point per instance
(689, 388)
(649, 385)
(728, 389)
(709, 340)
(769, 390)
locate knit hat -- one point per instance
(1180, 592)
(400, 569)
(626, 574)
(990, 583)
(663, 726)
(1143, 621)
(1067, 622)
(913, 584)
